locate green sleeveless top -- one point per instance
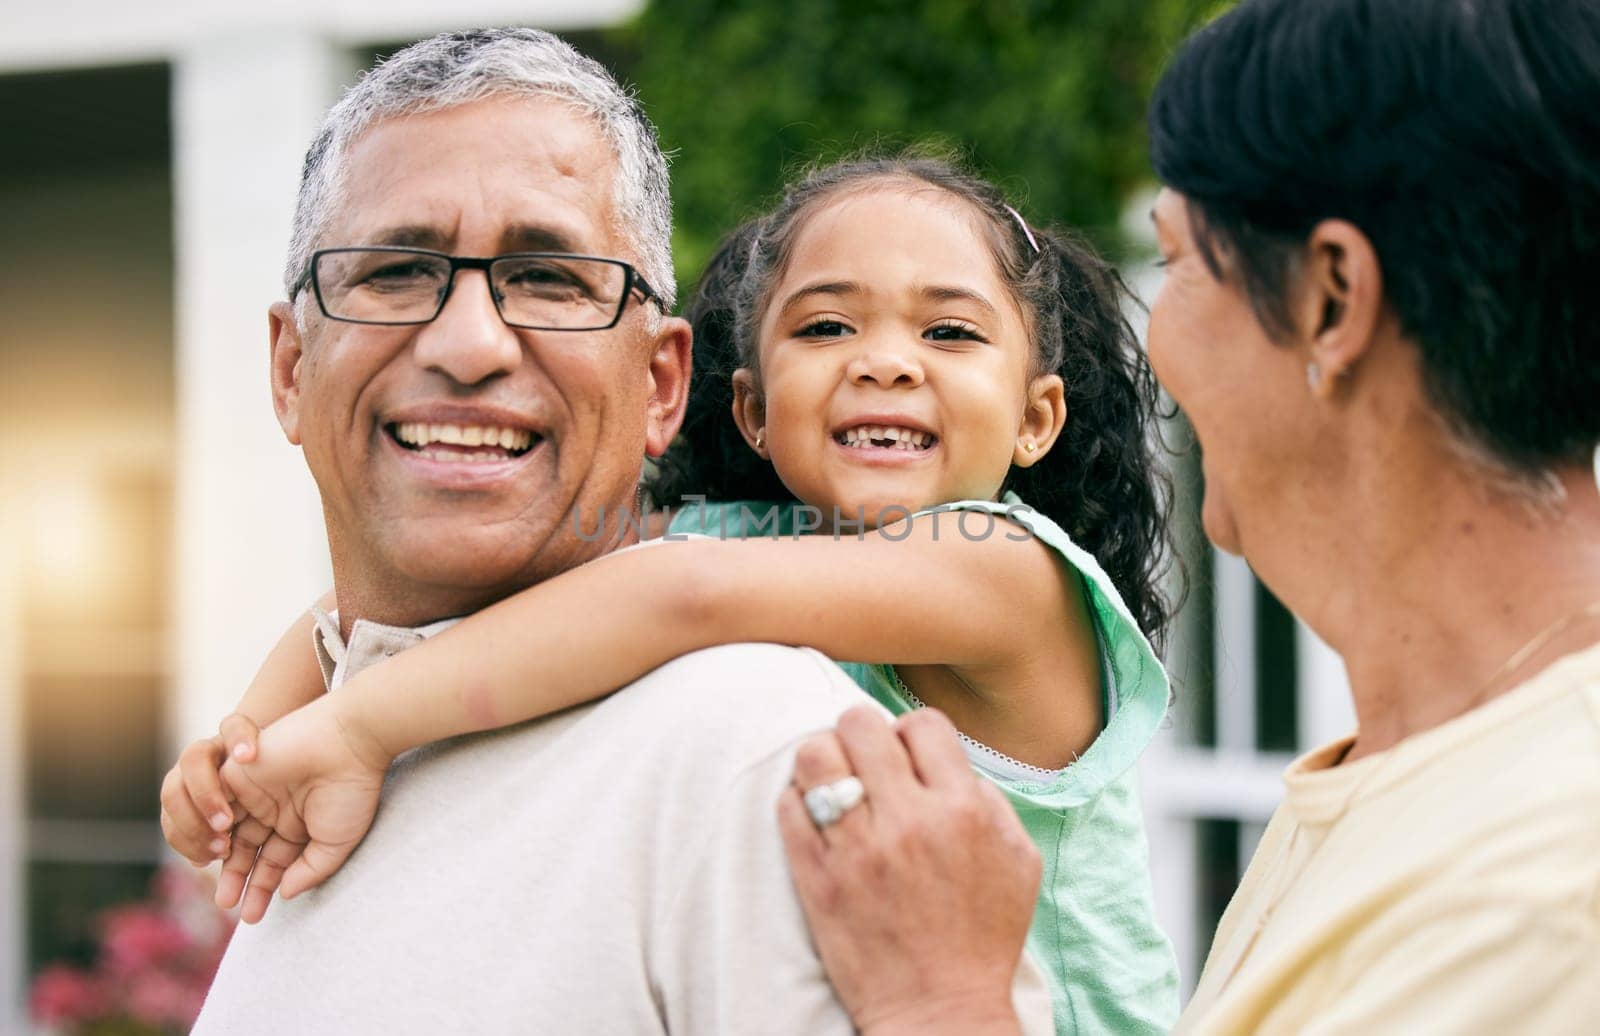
(1111, 967)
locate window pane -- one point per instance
(1277, 675)
(63, 899)
(1217, 872)
(92, 747)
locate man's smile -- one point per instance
(462, 447)
(453, 443)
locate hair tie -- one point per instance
(1024, 225)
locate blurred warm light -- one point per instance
(70, 536)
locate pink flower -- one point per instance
(161, 1000)
(140, 937)
(62, 993)
(155, 962)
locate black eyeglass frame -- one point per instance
(632, 283)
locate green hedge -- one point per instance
(1046, 97)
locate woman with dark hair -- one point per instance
(1380, 222)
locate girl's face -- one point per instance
(894, 361)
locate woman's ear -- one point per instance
(1341, 301)
(749, 411)
(1043, 418)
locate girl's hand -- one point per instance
(919, 898)
(310, 797)
(196, 810)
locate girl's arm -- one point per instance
(931, 595)
(290, 677)
(196, 810)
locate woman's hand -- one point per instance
(310, 795)
(920, 897)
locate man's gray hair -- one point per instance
(461, 67)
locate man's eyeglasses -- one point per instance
(542, 291)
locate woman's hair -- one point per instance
(1463, 138)
(1099, 481)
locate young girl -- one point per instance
(898, 361)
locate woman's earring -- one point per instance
(758, 440)
(1313, 375)
(1030, 447)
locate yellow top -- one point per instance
(1450, 884)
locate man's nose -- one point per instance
(887, 364)
(467, 341)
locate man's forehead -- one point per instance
(528, 173)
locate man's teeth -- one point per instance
(423, 435)
(885, 436)
(457, 457)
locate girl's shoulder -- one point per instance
(1005, 516)
(1137, 690)
(733, 519)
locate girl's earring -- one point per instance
(1313, 375)
(759, 440)
(1030, 447)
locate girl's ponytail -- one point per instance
(709, 457)
(1100, 480)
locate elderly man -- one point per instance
(616, 868)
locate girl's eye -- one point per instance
(953, 331)
(823, 329)
(1162, 263)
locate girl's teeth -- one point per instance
(890, 438)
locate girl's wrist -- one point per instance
(360, 725)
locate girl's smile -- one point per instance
(885, 438)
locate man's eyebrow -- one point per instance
(951, 293)
(822, 288)
(411, 236)
(518, 238)
(529, 237)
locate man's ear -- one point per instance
(1341, 300)
(1043, 418)
(749, 411)
(671, 364)
(283, 334)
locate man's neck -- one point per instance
(366, 591)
